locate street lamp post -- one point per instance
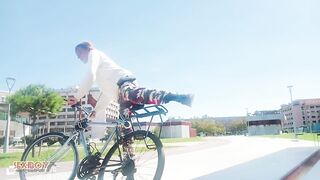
(10, 83)
(294, 122)
(247, 116)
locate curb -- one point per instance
(302, 168)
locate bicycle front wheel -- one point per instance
(49, 157)
(144, 159)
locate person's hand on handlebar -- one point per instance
(72, 101)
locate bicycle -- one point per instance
(59, 152)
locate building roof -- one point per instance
(314, 101)
(265, 115)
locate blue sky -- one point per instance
(231, 54)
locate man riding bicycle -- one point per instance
(117, 84)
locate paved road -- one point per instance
(234, 157)
(239, 158)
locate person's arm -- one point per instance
(93, 62)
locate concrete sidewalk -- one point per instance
(243, 158)
(272, 166)
(233, 157)
(314, 173)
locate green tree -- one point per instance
(208, 127)
(238, 126)
(35, 100)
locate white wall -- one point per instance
(14, 126)
(180, 131)
(264, 130)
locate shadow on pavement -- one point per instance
(272, 166)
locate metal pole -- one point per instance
(10, 83)
(170, 129)
(294, 121)
(247, 116)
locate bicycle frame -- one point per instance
(81, 134)
(114, 131)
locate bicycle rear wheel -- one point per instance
(147, 162)
(49, 157)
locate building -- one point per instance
(176, 129)
(170, 128)
(3, 95)
(302, 112)
(17, 129)
(64, 120)
(264, 123)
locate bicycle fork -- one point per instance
(60, 153)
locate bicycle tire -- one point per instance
(136, 135)
(42, 140)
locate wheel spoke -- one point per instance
(148, 162)
(42, 154)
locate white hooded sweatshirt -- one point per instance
(105, 73)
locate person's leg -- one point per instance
(137, 95)
(131, 93)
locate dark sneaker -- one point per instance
(187, 99)
(128, 166)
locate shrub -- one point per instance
(2, 141)
(28, 138)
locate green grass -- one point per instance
(7, 159)
(304, 136)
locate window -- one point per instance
(52, 123)
(71, 109)
(1, 133)
(43, 117)
(311, 107)
(52, 117)
(70, 116)
(61, 123)
(61, 117)
(69, 129)
(70, 123)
